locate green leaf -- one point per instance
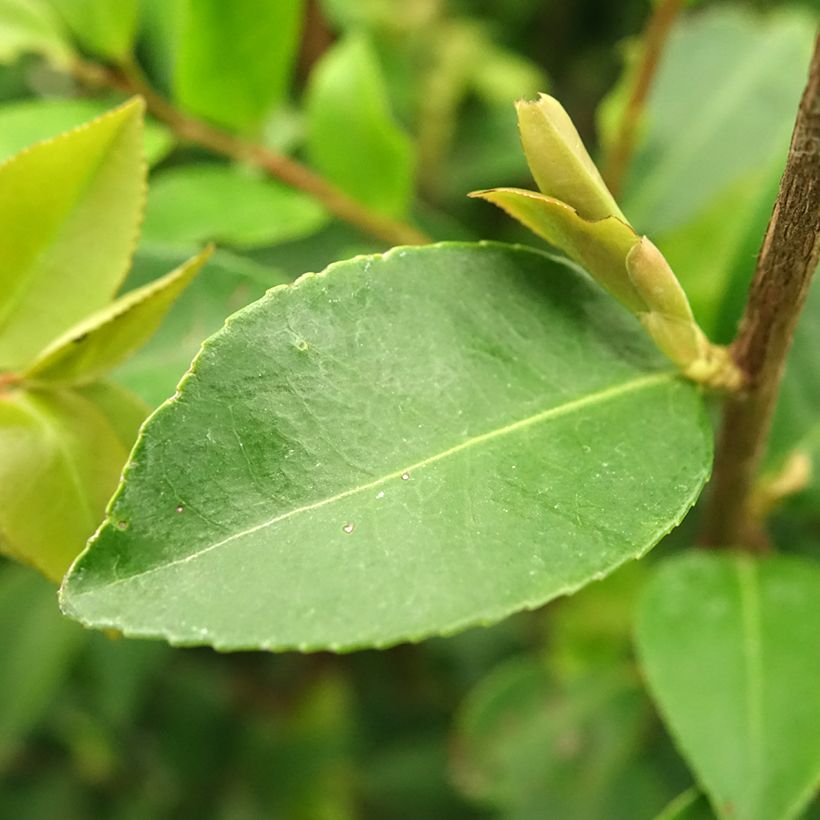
(378, 453)
(100, 342)
(532, 747)
(201, 202)
(37, 646)
(731, 650)
(722, 105)
(227, 283)
(797, 417)
(60, 458)
(688, 805)
(28, 121)
(73, 205)
(353, 139)
(30, 27)
(716, 266)
(234, 60)
(100, 26)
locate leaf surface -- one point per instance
(30, 27)
(100, 26)
(202, 202)
(381, 452)
(72, 206)
(60, 457)
(731, 650)
(227, 283)
(37, 646)
(722, 105)
(234, 60)
(97, 344)
(352, 137)
(28, 121)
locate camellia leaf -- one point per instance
(234, 60)
(526, 742)
(688, 805)
(202, 202)
(731, 650)
(722, 106)
(72, 205)
(228, 282)
(102, 27)
(352, 137)
(60, 456)
(378, 453)
(91, 348)
(30, 27)
(37, 646)
(29, 121)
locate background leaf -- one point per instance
(73, 206)
(721, 107)
(28, 121)
(61, 455)
(198, 203)
(373, 440)
(37, 648)
(29, 27)
(731, 650)
(352, 138)
(101, 341)
(234, 60)
(100, 26)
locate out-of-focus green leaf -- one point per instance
(202, 202)
(226, 284)
(234, 60)
(715, 264)
(37, 646)
(101, 26)
(60, 458)
(534, 747)
(352, 138)
(688, 805)
(722, 106)
(730, 646)
(30, 27)
(29, 121)
(797, 418)
(369, 442)
(101, 341)
(73, 206)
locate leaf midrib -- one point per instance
(747, 578)
(598, 397)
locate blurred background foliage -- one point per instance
(405, 105)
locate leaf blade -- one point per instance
(234, 59)
(102, 341)
(61, 446)
(351, 554)
(352, 138)
(54, 198)
(746, 725)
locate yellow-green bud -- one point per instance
(559, 162)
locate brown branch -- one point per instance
(131, 81)
(787, 261)
(654, 39)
